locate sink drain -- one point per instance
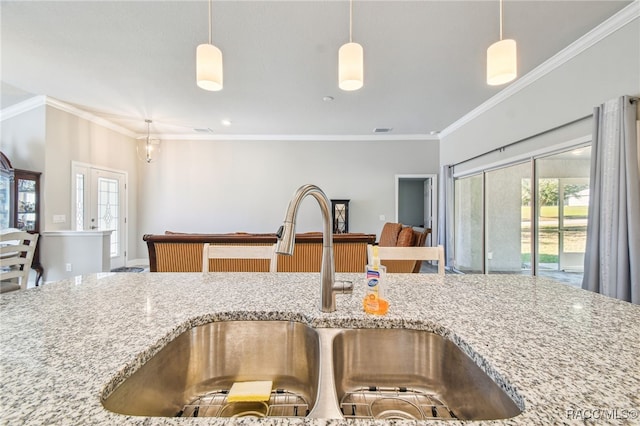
(393, 404)
(282, 403)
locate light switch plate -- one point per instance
(59, 218)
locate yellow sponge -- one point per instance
(250, 391)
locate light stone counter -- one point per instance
(563, 354)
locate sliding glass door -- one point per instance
(508, 221)
(563, 203)
(525, 218)
(469, 216)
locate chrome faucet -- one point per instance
(286, 240)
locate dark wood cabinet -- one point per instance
(20, 203)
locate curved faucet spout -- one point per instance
(286, 241)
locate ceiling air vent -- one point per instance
(207, 130)
(382, 129)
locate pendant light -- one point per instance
(145, 150)
(147, 147)
(502, 59)
(350, 61)
(209, 64)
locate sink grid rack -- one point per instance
(282, 403)
(391, 403)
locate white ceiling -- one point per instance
(424, 60)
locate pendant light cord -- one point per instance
(350, 20)
(148, 130)
(210, 22)
(500, 20)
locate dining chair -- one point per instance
(212, 251)
(16, 255)
(410, 253)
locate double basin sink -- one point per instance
(317, 373)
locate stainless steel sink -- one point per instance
(410, 374)
(191, 375)
(317, 373)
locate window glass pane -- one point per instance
(26, 214)
(5, 201)
(563, 203)
(508, 201)
(468, 224)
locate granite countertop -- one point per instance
(565, 354)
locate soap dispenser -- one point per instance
(375, 274)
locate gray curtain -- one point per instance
(612, 260)
(445, 214)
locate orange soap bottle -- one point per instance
(374, 301)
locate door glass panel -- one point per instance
(108, 210)
(468, 219)
(508, 220)
(79, 200)
(563, 204)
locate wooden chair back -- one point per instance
(16, 255)
(212, 251)
(410, 253)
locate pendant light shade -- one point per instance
(502, 61)
(350, 61)
(209, 64)
(350, 66)
(209, 67)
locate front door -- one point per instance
(100, 204)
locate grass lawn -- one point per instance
(542, 258)
(548, 240)
(551, 212)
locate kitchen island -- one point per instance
(564, 355)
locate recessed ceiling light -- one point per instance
(327, 98)
(226, 122)
(434, 132)
(203, 130)
(382, 129)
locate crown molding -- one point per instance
(315, 138)
(41, 100)
(62, 106)
(22, 107)
(599, 33)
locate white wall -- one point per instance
(232, 186)
(23, 139)
(606, 70)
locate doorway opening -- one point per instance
(417, 202)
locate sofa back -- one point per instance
(177, 252)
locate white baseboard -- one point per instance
(138, 262)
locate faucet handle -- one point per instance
(343, 287)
